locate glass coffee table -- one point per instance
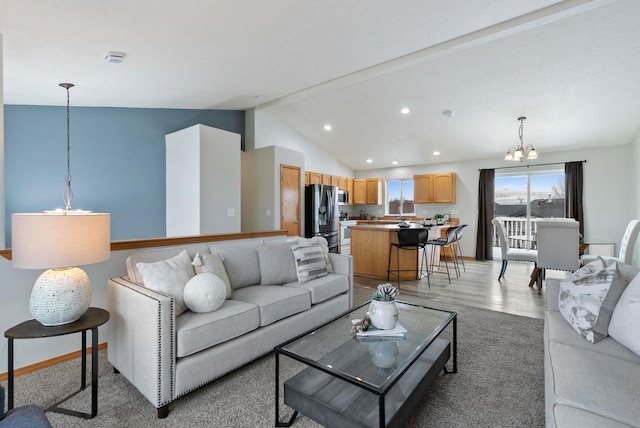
(354, 381)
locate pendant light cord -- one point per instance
(67, 196)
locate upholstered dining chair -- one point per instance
(625, 255)
(511, 254)
(558, 246)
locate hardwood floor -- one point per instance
(479, 287)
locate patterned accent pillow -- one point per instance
(626, 317)
(169, 277)
(204, 292)
(316, 240)
(310, 262)
(588, 298)
(213, 263)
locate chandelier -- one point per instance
(520, 152)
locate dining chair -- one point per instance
(511, 254)
(412, 239)
(558, 246)
(625, 255)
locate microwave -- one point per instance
(343, 197)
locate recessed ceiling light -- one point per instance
(369, 160)
(436, 153)
(405, 110)
(327, 127)
(395, 162)
(260, 97)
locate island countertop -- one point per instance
(371, 247)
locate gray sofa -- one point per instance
(587, 385)
(166, 356)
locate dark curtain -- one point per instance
(484, 239)
(573, 192)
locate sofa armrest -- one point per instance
(142, 338)
(343, 264)
(553, 293)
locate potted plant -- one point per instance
(383, 310)
(439, 218)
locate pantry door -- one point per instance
(290, 199)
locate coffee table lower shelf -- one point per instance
(333, 402)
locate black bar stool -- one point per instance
(414, 240)
(445, 243)
(456, 244)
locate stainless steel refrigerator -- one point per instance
(322, 213)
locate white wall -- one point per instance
(269, 131)
(202, 181)
(3, 241)
(261, 186)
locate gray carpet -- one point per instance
(499, 384)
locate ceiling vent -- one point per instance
(115, 57)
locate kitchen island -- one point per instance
(370, 246)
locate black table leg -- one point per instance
(94, 371)
(10, 376)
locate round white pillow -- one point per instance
(205, 292)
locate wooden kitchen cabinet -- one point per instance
(342, 183)
(315, 178)
(350, 189)
(359, 191)
(374, 191)
(306, 178)
(335, 180)
(439, 188)
(326, 179)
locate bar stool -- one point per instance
(445, 243)
(413, 240)
(456, 243)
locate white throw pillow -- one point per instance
(169, 277)
(204, 292)
(277, 265)
(625, 320)
(213, 263)
(587, 299)
(310, 263)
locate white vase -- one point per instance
(384, 315)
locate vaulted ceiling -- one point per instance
(571, 67)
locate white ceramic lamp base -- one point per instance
(60, 296)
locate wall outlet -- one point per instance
(268, 212)
(231, 212)
(453, 211)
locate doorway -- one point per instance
(290, 199)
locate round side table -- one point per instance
(32, 329)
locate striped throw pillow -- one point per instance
(310, 262)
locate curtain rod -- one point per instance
(537, 164)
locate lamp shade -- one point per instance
(59, 239)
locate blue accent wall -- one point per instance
(117, 161)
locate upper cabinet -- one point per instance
(315, 178)
(359, 191)
(374, 191)
(437, 188)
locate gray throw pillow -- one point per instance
(169, 277)
(310, 262)
(588, 298)
(277, 265)
(626, 317)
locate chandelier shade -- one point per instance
(521, 151)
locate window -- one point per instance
(522, 199)
(400, 197)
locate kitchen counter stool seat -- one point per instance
(411, 240)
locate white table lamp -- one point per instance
(58, 241)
